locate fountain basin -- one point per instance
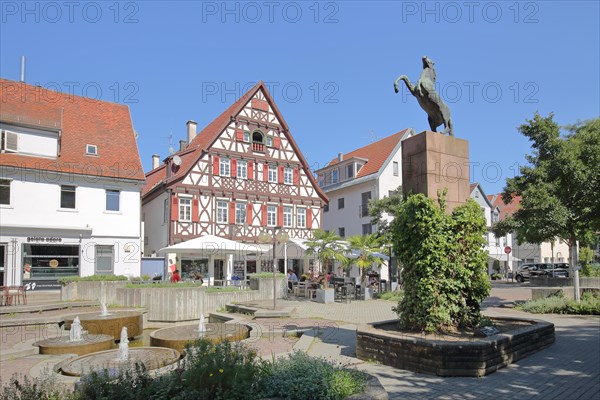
(151, 357)
(111, 324)
(177, 337)
(89, 344)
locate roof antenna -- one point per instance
(171, 149)
(23, 69)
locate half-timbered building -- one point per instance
(243, 174)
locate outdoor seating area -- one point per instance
(13, 295)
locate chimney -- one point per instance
(182, 145)
(22, 68)
(340, 157)
(155, 161)
(191, 130)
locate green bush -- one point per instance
(24, 388)
(300, 376)
(589, 305)
(92, 278)
(590, 270)
(392, 296)
(445, 267)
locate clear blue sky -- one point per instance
(330, 66)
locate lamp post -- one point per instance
(277, 236)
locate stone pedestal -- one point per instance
(325, 296)
(432, 162)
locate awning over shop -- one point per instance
(502, 257)
(210, 245)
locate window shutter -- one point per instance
(11, 141)
(309, 218)
(250, 170)
(233, 167)
(265, 172)
(249, 214)
(232, 212)
(195, 211)
(280, 171)
(174, 208)
(239, 135)
(279, 216)
(296, 176)
(276, 142)
(263, 221)
(216, 165)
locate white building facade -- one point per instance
(70, 183)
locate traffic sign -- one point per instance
(507, 249)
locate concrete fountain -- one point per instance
(79, 342)
(105, 323)
(113, 360)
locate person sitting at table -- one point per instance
(292, 279)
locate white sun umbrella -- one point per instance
(208, 245)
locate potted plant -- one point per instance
(325, 246)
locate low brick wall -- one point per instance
(548, 281)
(92, 291)
(477, 357)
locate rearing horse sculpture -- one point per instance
(437, 111)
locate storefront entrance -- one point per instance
(44, 264)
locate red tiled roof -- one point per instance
(376, 153)
(82, 121)
(204, 140)
(507, 209)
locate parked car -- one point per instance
(526, 271)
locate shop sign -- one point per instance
(44, 239)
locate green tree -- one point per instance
(445, 266)
(325, 246)
(585, 258)
(366, 248)
(559, 187)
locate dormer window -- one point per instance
(91, 150)
(350, 171)
(334, 176)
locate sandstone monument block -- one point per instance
(432, 162)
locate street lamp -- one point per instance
(277, 236)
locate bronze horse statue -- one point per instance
(437, 111)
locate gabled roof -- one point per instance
(203, 141)
(473, 186)
(506, 209)
(81, 121)
(375, 153)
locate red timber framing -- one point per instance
(227, 138)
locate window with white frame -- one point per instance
(240, 213)
(224, 167)
(287, 216)
(242, 169)
(301, 217)
(113, 200)
(334, 176)
(185, 209)
(269, 141)
(222, 217)
(246, 136)
(5, 191)
(288, 176)
(271, 215)
(350, 171)
(91, 149)
(396, 168)
(273, 173)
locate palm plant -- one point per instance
(325, 245)
(368, 249)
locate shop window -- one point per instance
(50, 261)
(194, 269)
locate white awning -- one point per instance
(210, 245)
(502, 257)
